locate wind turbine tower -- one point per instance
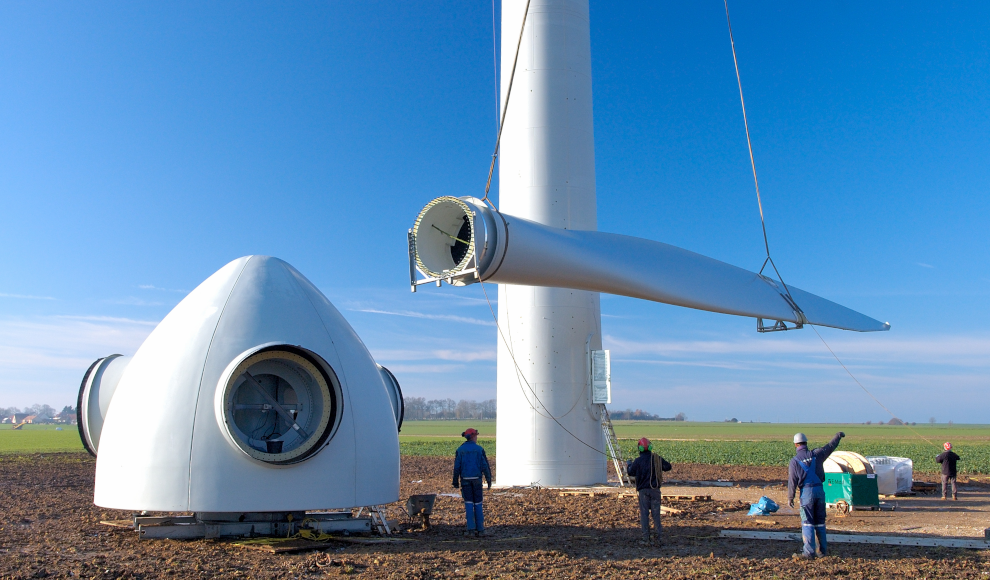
(547, 175)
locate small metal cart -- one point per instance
(846, 492)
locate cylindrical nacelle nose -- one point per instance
(97, 389)
(457, 240)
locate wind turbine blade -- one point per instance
(822, 312)
(512, 250)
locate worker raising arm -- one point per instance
(807, 473)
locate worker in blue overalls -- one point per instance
(807, 473)
(470, 464)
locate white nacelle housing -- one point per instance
(252, 395)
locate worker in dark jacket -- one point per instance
(470, 464)
(648, 470)
(807, 473)
(948, 459)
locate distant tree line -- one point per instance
(640, 415)
(895, 421)
(420, 409)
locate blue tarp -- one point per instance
(764, 507)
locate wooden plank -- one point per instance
(585, 493)
(286, 547)
(129, 524)
(688, 497)
(926, 541)
(669, 510)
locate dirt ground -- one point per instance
(49, 527)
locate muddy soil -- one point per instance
(50, 528)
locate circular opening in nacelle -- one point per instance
(280, 406)
(443, 237)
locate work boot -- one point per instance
(645, 541)
(802, 556)
(471, 533)
(482, 533)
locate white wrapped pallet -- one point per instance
(894, 474)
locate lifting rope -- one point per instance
(766, 243)
(520, 374)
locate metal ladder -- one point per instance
(614, 451)
(379, 520)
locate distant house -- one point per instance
(38, 419)
(65, 418)
(18, 417)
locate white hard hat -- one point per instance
(800, 438)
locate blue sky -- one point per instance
(143, 146)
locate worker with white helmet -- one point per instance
(807, 473)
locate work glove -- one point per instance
(489, 486)
(790, 503)
(456, 484)
(840, 434)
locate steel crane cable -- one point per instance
(495, 68)
(766, 244)
(505, 108)
(752, 162)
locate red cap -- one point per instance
(947, 445)
(644, 442)
(469, 433)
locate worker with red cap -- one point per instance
(470, 464)
(648, 470)
(948, 459)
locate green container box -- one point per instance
(859, 491)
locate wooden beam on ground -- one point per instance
(927, 541)
(286, 547)
(688, 497)
(129, 524)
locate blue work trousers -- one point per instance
(813, 519)
(471, 491)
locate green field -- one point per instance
(745, 443)
(680, 442)
(40, 439)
